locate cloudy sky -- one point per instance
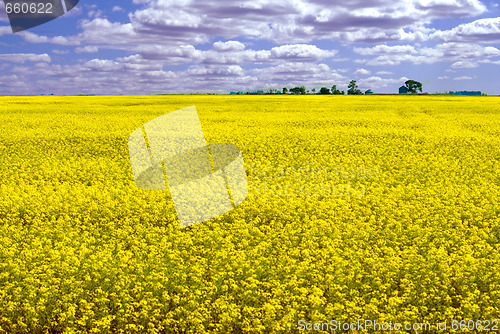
(189, 46)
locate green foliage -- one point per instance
(353, 88)
(335, 91)
(413, 86)
(324, 91)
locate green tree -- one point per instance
(353, 88)
(285, 90)
(413, 86)
(314, 90)
(302, 90)
(336, 91)
(324, 91)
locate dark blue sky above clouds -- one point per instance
(188, 46)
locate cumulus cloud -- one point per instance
(461, 54)
(483, 30)
(213, 71)
(465, 64)
(379, 82)
(26, 57)
(60, 52)
(59, 40)
(87, 49)
(488, 61)
(289, 21)
(102, 65)
(386, 50)
(302, 52)
(362, 71)
(451, 8)
(299, 73)
(217, 44)
(228, 46)
(460, 51)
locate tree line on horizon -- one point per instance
(412, 86)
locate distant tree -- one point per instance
(336, 91)
(285, 90)
(314, 90)
(413, 86)
(324, 91)
(296, 90)
(302, 90)
(353, 88)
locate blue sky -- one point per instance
(189, 46)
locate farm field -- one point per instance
(369, 207)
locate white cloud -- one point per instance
(452, 8)
(487, 61)
(385, 50)
(5, 30)
(228, 46)
(393, 60)
(59, 40)
(60, 52)
(463, 78)
(102, 65)
(302, 52)
(460, 51)
(299, 74)
(26, 57)
(461, 54)
(483, 30)
(465, 64)
(87, 49)
(165, 33)
(162, 22)
(213, 71)
(362, 71)
(379, 82)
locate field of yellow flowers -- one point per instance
(370, 207)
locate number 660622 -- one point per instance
(28, 8)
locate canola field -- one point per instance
(370, 207)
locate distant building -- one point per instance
(403, 90)
(255, 92)
(368, 92)
(466, 92)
